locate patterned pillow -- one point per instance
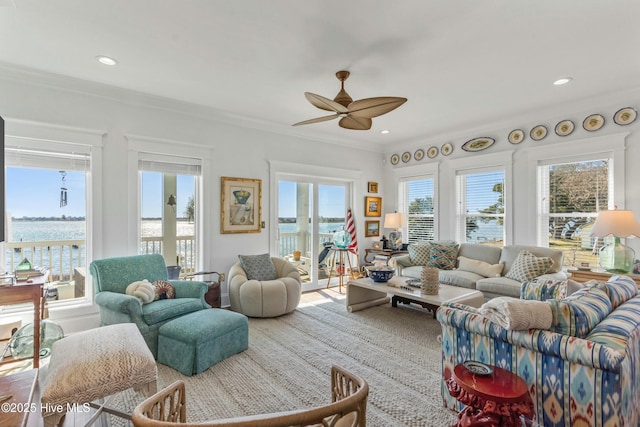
(258, 267)
(480, 267)
(579, 313)
(527, 266)
(443, 256)
(164, 290)
(620, 289)
(419, 253)
(542, 290)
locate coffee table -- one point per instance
(363, 293)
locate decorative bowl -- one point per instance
(381, 274)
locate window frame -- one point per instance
(417, 173)
(69, 140)
(612, 147)
(478, 164)
(163, 148)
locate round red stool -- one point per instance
(496, 399)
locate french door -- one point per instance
(309, 212)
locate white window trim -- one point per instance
(49, 137)
(163, 147)
(478, 164)
(413, 173)
(607, 146)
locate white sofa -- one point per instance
(491, 287)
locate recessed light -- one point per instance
(562, 81)
(384, 132)
(106, 60)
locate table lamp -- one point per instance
(394, 221)
(615, 257)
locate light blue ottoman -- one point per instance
(194, 342)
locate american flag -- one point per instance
(351, 228)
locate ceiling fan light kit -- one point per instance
(354, 115)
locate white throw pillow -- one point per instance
(480, 267)
(143, 290)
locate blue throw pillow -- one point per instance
(258, 267)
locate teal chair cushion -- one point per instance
(165, 309)
(115, 274)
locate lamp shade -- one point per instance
(617, 223)
(393, 220)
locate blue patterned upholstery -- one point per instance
(111, 276)
(591, 381)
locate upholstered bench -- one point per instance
(94, 364)
(193, 343)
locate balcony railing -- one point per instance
(289, 243)
(62, 257)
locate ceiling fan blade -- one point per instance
(325, 103)
(374, 107)
(317, 120)
(355, 123)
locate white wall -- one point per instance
(124, 117)
(523, 194)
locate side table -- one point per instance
(212, 296)
(497, 399)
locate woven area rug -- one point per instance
(289, 358)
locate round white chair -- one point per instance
(268, 298)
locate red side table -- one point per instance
(497, 399)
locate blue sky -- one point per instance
(34, 192)
(331, 199)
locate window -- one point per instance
(481, 206)
(417, 200)
(571, 196)
(46, 211)
(168, 206)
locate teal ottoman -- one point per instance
(194, 342)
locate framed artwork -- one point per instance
(372, 187)
(372, 228)
(372, 206)
(240, 205)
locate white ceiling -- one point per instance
(460, 63)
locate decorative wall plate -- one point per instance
(478, 144)
(516, 136)
(478, 368)
(593, 122)
(395, 159)
(406, 156)
(564, 128)
(446, 149)
(432, 152)
(538, 132)
(625, 116)
(419, 154)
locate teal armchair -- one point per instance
(111, 276)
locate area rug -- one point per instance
(287, 366)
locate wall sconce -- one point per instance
(614, 256)
(172, 202)
(394, 221)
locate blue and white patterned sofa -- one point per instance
(585, 382)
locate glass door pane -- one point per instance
(295, 226)
(308, 215)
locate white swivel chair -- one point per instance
(265, 298)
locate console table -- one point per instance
(384, 252)
(29, 291)
(580, 275)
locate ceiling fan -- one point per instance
(354, 114)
